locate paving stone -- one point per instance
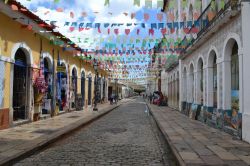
(189, 156)
(203, 151)
(236, 163)
(213, 146)
(212, 160)
(246, 159)
(222, 153)
(125, 136)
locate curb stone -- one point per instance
(173, 149)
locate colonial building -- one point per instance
(31, 63)
(213, 66)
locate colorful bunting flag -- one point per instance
(106, 3)
(137, 3)
(146, 16)
(159, 3)
(148, 4)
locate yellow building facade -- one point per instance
(67, 76)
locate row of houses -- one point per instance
(30, 64)
(210, 80)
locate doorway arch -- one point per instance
(74, 87)
(89, 89)
(47, 70)
(21, 85)
(212, 88)
(62, 86)
(200, 81)
(232, 85)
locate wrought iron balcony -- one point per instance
(208, 17)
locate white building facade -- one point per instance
(213, 70)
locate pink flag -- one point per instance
(116, 31)
(160, 16)
(71, 14)
(146, 16)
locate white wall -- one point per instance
(246, 76)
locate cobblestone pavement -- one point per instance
(126, 136)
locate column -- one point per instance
(101, 90)
(210, 91)
(226, 96)
(197, 98)
(219, 85)
(204, 86)
(181, 88)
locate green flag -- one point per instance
(160, 4)
(137, 2)
(148, 4)
(106, 3)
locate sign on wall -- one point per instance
(61, 69)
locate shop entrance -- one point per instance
(20, 84)
(73, 88)
(83, 87)
(48, 79)
(62, 87)
(90, 90)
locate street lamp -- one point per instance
(96, 80)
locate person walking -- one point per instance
(150, 98)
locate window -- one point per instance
(235, 68)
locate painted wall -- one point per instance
(246, 77)
(13, 36)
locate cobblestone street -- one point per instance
(126, 136)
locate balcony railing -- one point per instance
(206, 19)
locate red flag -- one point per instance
(186, 30)
(127, 31)
(138, 31)
(99, 30)
(172, 30)
(151, 32)
(116, 31)
(163, 31)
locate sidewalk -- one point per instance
(194, 143)
(19, 141)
